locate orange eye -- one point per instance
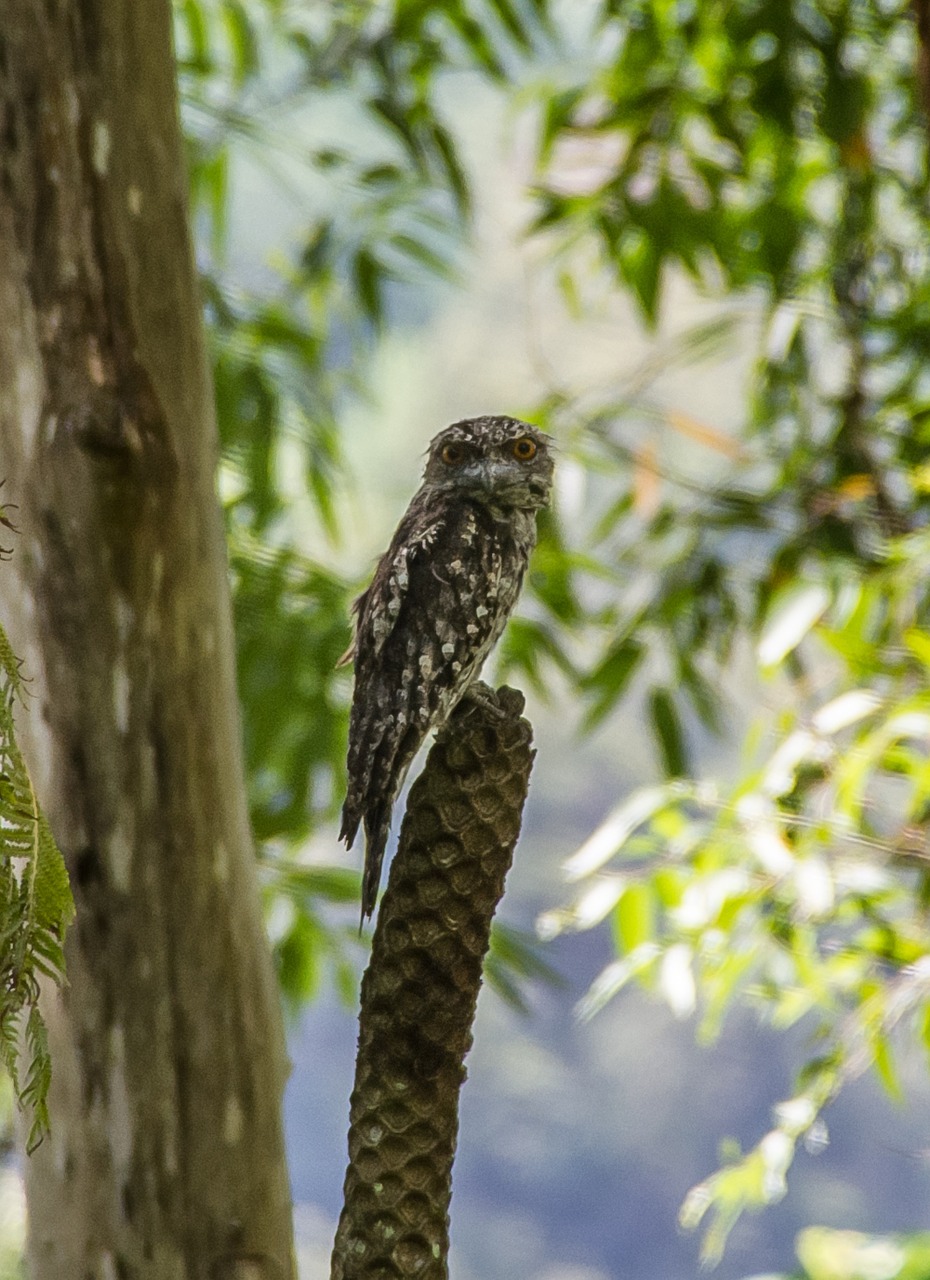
(452, 454)
(524, 449)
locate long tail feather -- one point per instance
(377, 827)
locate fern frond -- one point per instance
(54, 905)
(34, 1093)
(10, 666)
(36, 908)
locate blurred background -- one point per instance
(690, 240)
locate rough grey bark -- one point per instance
(420, 990)
(166, 1155)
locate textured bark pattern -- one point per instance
(420, 989)
(166, 1157)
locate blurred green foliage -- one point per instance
(386, 202)
(779, 149)
(826, 1254)
(775, 154)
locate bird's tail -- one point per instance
(351, 817)
(377, 826)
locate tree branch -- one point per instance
(420, 990)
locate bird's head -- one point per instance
(497, 461)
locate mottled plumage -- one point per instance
(439, 600)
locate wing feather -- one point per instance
(377, 609)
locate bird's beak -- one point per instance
(489, 477)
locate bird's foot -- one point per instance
(483, 697)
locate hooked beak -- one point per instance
(488, 477)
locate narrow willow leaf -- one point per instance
(616, 829)
(635, 916)
(668, 732)
(790, 621)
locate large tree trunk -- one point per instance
(166, 1154)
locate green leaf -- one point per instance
(513, 961)
(512, 21)
(422, 253)
(790, 619)
(242, 40)
(608, 681)
(299, 956)
(54, 905)
(884, 1066)
(919, 644)
(639, 264)
(635, 917)
(830, 1254)
(316, 883)
(668, 732)
(368, 275)
(455, 174)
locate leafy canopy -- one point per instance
(775, 155)
(777, 150)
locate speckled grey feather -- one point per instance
(439, 600)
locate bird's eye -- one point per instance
(524, 449)
(453, 454)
